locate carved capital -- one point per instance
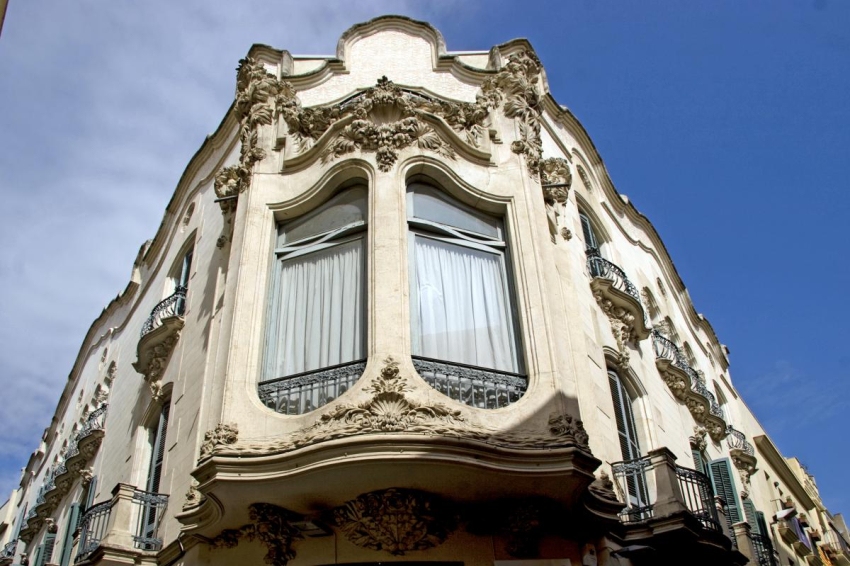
(698, 440)
(223, 434)
(395, 520)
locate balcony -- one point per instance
(127, 522)
(159, 335)
(836, 548)
(479, 387)
(653, 486)
(7, 554)
(304, 392)
(619, 299)
(688, 386)
(741, 451)
(793, 533)
(60, 478)
(763, 548)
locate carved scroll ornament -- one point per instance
(222, 435)
(272, 526)
(622, 327)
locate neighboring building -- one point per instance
(397, 311)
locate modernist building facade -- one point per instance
(396, 311)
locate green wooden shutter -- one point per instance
(750, 514)
(49, 543)
(724, 486)
(89, 500)
(158, 452)
(699, 462)
(762, 524)
(38, 555)
(68, 541)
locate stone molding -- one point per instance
(389, 410)
(223, 434)
(155, 348)
(395, 520)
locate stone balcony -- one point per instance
(688, 386)
(159, 335)
(121, 530)
(836, 548)
(619, 299)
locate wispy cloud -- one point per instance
(104, 104)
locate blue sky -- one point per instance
(727, 123)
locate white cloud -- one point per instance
(104, 104)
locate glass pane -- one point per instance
(320, 315)
(345, 208)
(428, 203)
(463, 309)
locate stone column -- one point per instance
(668, 498)
(741, 532)
(122, 526)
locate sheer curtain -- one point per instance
(320, 321)
(463, 307)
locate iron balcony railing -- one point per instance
(636, 488)
(93, 526)
(764, 549)
(307, 391)
(173, 305)
(9, 550)
(631, 480)
(736, 440)
(601, 267)
(835, 542)
(475, 386)
(149, 512)
(666, 349)
(95, 421)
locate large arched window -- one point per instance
(317, 332)
(463, 330)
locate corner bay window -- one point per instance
(463, 334)
(316, 332)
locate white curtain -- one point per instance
(463, 309)
(320, 321)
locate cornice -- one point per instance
(773, 457)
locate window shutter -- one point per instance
(750, 514)
(587, 230)
(158, 453)
(762, 524)
(88, 501)
(39, 552)
(724, 486)
(699, 463)
(49, 542)
(68, 541)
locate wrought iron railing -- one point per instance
(149, 512)
(630, 477)
(9, 549)
(666, 349)
(764, 549)
(30, 514)
(601, 267)
(173, 305)
(95, 421)
(472, 385)
(307, 391)
(93, 525)
(698, 497)
(736, 440)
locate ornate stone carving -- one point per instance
(395, 520)
(52, 527)
(256, 93)
(157, 392)
(566, 234)
(524, 528)
(222, 435)
(555, 171)
(514, 88)
(159, 357)
(698, 440)
(111, 372)
(584, 178)
(193, 496)
(678, 385)
(603, 487)
(272, 526)
(86, 475)
(389, 410)
(622, 327)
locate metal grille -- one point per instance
(93, 528)
(631, 481)
(601, 267)
(471, 385)
(172, 305)
(305, 392)
(764, 550)
(9, 550)
(149, 511)
(698, 497)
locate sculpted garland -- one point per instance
(383, 119)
